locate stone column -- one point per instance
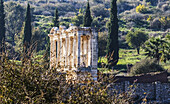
(87, 51)
(94, 54)
(79, 46)
(74, 47)
(94, 50)
(91, 50)
(58, 51)
(61, 51)
(66, 50)
(54, 53)
(82, 50)
(71, 52)
(69, 44)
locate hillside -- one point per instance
(151, 16)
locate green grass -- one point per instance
(130, 56)
(127, 56)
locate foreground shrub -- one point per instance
(31, 82)
(146, 66)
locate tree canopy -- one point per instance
(158, 48)
(136, 39)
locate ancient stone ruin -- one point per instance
(74, 48)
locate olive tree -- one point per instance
(136, 39)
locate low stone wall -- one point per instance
(155, 91)
(156, 87)
(146, 78)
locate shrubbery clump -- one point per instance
(30, 81)
(146, 66)
(141, 9)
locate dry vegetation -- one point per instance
(31, 82)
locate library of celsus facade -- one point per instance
(74, 48)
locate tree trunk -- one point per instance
(138, 50)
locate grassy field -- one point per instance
(127, 56)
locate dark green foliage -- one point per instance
(47, 52)
(100, 10)
(14, 21)
(112, 42)
(55, 20)
(2, 24)
(87, 20)
(77, 20)
(98, 1)
(39, 38)
(27, 28)
(136, 39)
(102, 42)
(158, 48)
(153, 2)
(146, 66)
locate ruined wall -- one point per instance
(156, 87)
(155, 91)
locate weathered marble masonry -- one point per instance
(73, 48)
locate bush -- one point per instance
(141, 9)
(165, 7)
(153, 2)
(46, 13)
(165, 22)
(146, 66)
(156, 24)
(99, 10)
(136, 17)
(32, 82)
(123, 5)
(160, 4)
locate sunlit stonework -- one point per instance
(74, 48)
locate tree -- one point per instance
(87, 20)
(2, 25)
(78, 19)
(136, 39)
(158, 48)
(112, 48)
(14, 21)
(27, 29)
(55, 20)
